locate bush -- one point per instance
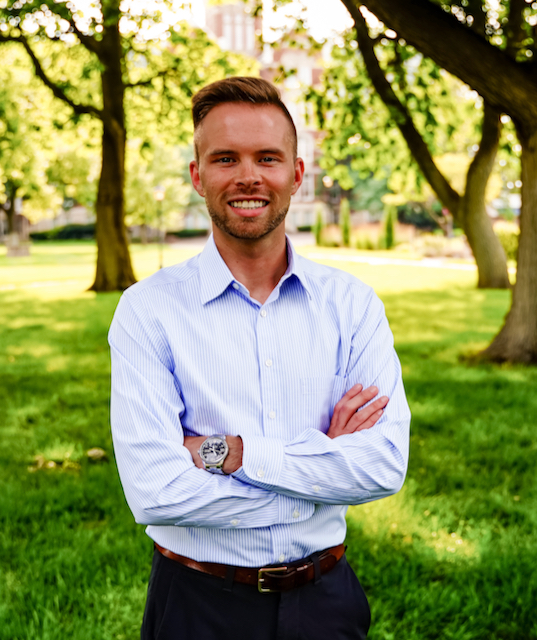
(189, 233)
(345, 222)
(304, 227)
(508, 233)
(389, 230)
(68, 232)
(319, 226)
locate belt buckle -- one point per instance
(260, 578)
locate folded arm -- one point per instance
(364, 454)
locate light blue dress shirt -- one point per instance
(194, 354)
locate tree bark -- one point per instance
(10, 211)
(114, 268)
(487, 249)
(517, 340)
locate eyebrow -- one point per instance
(227, 152)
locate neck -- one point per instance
(257, 264)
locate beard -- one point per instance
(247, 228)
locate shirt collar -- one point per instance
(215, 276)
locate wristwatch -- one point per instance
(213, 452)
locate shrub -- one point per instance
(319, 226)
(68, 232)
(389, 229)
(189, 233)
(508, 233)
(345, 222)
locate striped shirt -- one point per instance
(194, 354)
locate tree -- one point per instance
(126, 48)
(500, 66)
(149, 167)
(389, 227)
(414, 91)
(25, 142)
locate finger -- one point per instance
(346, 409)
(366, 418)
(371, 421)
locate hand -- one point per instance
(233, 460)
(347, 418)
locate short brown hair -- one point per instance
(238, 89)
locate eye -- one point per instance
(224, 160)
(269, 159)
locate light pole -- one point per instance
(158, 194)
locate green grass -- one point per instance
(452, 556)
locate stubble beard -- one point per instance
(247, 228)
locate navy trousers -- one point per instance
(184, 604)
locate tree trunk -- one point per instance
(487, 249)
(114, 268)
(517, 340)
(10, 211)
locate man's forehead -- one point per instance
(236, 122)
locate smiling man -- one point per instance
(246, 402)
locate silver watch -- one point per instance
(213, 453)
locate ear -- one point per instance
(195, 177)
(299, 175)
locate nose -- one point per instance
(247, 174)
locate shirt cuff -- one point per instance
(262, 459)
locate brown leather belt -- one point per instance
(271, 578)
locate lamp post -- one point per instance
(158, 194)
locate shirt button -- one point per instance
(235, 285)
(316, 488)
(281, 558)
(235, 522)
(272, 415)
(268, 363)
(263, 313)
(260, 473)
(296, 513)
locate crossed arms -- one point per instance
(362, 457)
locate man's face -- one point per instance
(246, 169)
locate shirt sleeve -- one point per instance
(349, 469)
(161, 483)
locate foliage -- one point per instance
(75, 565)
(189, 233)
(319, 225)
(508, 233)
(362, 137)
(389, 227)
(67, 232)
(345, 222)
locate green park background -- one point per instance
(428, 135)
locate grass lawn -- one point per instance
(452, 556)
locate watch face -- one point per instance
(213, 450)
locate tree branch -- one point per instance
(87, 41)
(56, 90)
(507, 85)
(447, 195)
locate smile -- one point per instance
(248, 204)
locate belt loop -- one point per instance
(316, 568)
(228, 580)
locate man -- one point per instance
(246, 411)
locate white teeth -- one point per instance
(248, 204)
